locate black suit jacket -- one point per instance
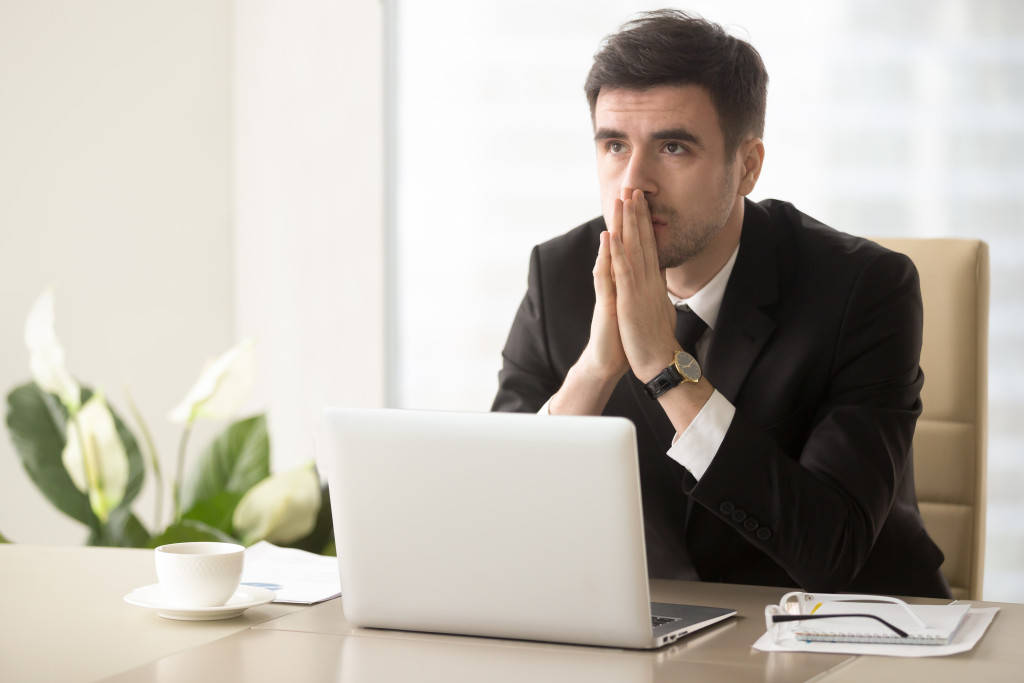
(817, 344)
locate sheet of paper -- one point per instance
(296, 576)
(975, 623)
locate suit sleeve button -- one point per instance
(750, 524)
(726, 507)
(764, 533)
(738, 515)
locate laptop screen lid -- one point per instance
(492, 524)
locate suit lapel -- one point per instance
(743, 327)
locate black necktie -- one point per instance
(689, 328)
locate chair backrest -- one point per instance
(951, 438)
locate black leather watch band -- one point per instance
(663, 381)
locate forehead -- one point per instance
(638, 112)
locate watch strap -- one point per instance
(663, 381)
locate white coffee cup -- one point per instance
(199, 574)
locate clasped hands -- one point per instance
(634, 321)
(633, 325)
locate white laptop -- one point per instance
(496, 524)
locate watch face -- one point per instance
(687, 366)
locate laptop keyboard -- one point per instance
(661, 621)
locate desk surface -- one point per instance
(64, 617)
(65, 620)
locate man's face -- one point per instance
(667, 142)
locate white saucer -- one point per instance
(244, 598)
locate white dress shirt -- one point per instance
(696, 446)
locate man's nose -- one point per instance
(638, 176)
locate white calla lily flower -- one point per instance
(46, 355)
(282, 508)
(95, 457)
(222, 386)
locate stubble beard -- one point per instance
(685, 238)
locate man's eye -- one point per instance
(674, 148)
(616, 147)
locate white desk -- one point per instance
(65, 620)
(64, 617)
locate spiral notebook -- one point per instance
(924, 624)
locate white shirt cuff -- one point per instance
(695, 448)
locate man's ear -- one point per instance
(751, 156)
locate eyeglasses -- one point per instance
(780, 620)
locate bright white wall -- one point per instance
(115, 188)
(310, 242)
(187, 174)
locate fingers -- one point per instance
(621, 268)
(604, 283)
(633, 214)
(616, 227)
(645, 229)
(630, 233)
(604, 354)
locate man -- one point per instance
(774, 427)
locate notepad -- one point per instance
(296, 576)
(940, 623)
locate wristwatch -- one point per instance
(684, 368)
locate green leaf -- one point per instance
(38, 426)
(37, 423)
(3, 539)
(136, 464)
(123, 530)
(235, 461)
(190, 530)
(216, 511)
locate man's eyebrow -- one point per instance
(608, 134)
(680, 134)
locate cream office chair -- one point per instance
(951, 438)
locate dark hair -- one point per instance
(670, 47)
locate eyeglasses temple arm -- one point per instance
(777, 618)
